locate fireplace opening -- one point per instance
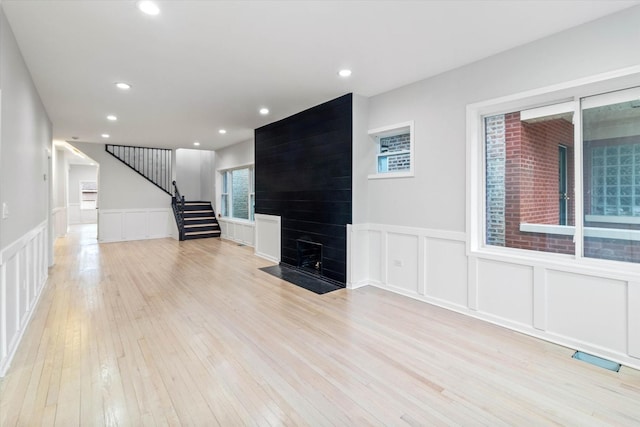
(309, 256)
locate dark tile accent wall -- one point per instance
(303, 174)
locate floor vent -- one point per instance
(598, 361)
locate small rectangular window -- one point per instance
(88, 195)
(394, 151)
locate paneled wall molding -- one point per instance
(268, 234)
(239, 231)
(633, 299)
(23, 273)
(583, 307)
(117, 225)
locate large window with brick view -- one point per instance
(529, 180)
(611, 169)
(237, 195)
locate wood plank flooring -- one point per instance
(163, 332)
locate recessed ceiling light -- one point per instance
(74, 138)
(344, 73)
(148, 7)
(105, 135)
(123, 86)
(112, 117)
(222, 131)
(196, 143)
(264, 111)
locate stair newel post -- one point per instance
(182, 217)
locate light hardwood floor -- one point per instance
(192, 333)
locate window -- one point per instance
(237, 195)
(534, 161)
(394, 151)
(88, 194)
(611, 171)
(529, 179)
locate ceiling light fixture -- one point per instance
(123, 86)
(222, 131)
(112, 118)
(344, 73)
(148, 7)
(105, 135)
(196, 143)
(264, 111)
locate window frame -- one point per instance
(227, 174)
(389, 131)
(568, 92)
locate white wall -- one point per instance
(194, 174)
(25, 141)
(413, 237)
(25, 137)
(78, 173)
(130, 207)
(207, 176)
(60, 178)
(363, 148)
(240, 154)
(188, 170)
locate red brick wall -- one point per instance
(531, 181)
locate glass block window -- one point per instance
(615, 180)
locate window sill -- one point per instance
(236, 220)
(391, 175)
(597, 232)
(613, 219)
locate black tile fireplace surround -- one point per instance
(303, 174)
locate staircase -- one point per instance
(199, 221)
(195, 219)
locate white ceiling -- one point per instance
(204, 65)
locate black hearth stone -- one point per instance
(304, 280)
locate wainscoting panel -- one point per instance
(442, 281)
(23, 273)
(402, 261)
(267, 232)
(159, 221)
(135, 225)
(81, 216)
(589, 309)
(506, 290)
(238, 231)
(634, 318)
(116, 225)
(357, 246)
(576, 305)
